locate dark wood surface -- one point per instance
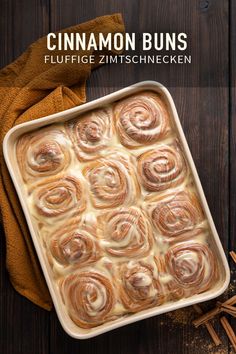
(205, 99)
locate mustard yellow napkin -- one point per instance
(30, 89)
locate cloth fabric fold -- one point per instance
(30, 89)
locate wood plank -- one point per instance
(232, 141)
(232, 111)
(24, 327)
(203, 110)
(6, 33)
(21, 23)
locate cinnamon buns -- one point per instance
(116, 210)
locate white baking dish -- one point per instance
(11, 161)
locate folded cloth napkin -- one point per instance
(30, 89)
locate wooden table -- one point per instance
(206, 102)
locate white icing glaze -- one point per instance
(108, 264)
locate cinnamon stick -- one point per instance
(229, 331)
(212, 313)
(233, 256)
(231, 310)
(209, 327)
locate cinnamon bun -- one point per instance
(89, 297)
(126, 232)
(112, 181)
(42, 153)
(139, 286)
(162, 168)
(141, 119)
(192, 267)
(75, 244)
(176, 216)
(91, 134)
(59, 197)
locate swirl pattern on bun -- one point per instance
(75, 244)
(176, 215)
(141, 119)
(112, 181)
(91, 134)
(42, 153)
(59, 197)
(89, 297)
(126, 232)
(139, 286)
(192, 266)
(162, 168)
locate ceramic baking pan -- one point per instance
(9, 148)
